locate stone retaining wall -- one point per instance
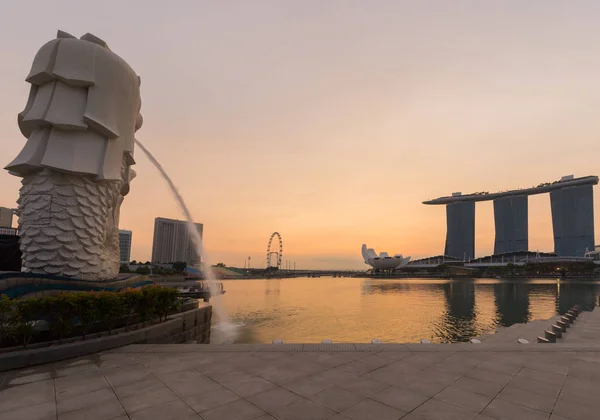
(179, 328)
(16, 285)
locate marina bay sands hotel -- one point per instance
(571, 202)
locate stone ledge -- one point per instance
(358, 347)
(174, 330)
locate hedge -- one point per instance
(71, 314)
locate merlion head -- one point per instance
(82, 113)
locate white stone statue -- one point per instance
(80, 120)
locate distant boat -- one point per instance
(199, 291)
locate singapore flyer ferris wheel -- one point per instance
(271, 253)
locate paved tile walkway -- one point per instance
(312, 382)
(586, 329)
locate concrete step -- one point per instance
(542, 340)
(557, 330)
(566, 320)
(563, 325)
(550, 336)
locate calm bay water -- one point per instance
(309, 310)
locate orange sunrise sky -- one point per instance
(331, 121)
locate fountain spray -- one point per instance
(225, 325)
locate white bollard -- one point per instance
(375, 341)
(278, 341)
(425, 341)
(475, 341)
(326, 342)
(522, 341)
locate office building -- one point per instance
(125, 237)
(6, 217)
(172, 242)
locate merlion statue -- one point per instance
(80, 119)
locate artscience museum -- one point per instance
(383, 261)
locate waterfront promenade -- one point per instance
(337, 382)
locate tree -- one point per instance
(28, 312)
(86, 309)
(179, 266)
(220, 265)
(8, 319)
(143, 270)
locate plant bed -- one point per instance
(192, 324)
(77, 316)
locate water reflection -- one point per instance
(512, 303)
(458, 321)
(407, 310)
(569, 295)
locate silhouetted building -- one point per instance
(172, 242)
(125, 238)
(10, 253)
(460, 233)
(510, 218)
(572, 202)
(573, 220)
(6, 217)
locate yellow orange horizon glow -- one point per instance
(331, 123)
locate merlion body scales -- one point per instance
(80, 121)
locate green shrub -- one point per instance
(131, 302)
(167, 301)
(71, 313)
(8, 320)
(61, 311)
(28, 312)
(112, 308)
(147, 303)
(86, 307)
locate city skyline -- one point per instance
(331, 123)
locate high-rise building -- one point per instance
(512, 224)
(6, 217)
(172, 242)
(573, 220)
(572, 205)
(460, 237)
(125, 237)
